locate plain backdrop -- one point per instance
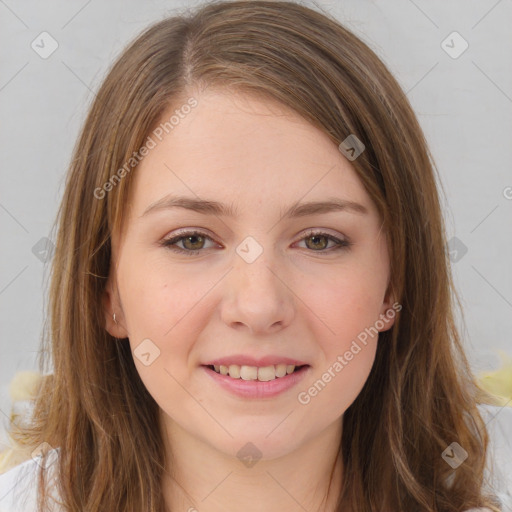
(460, 86)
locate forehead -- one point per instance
(242, 150)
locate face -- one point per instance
(252, 279)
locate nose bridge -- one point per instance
(257, 295)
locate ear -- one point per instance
(389, 311)
(111, 305)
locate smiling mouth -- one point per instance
(262, 374)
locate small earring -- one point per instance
(114, 317)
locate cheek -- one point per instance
(158, 298)
(165, 308)
(339, 378)
(348, 304)
(347, 308)
(346, 378)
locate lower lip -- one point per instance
(255, 388)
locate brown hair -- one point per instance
(420, 395)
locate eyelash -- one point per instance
(168, 243)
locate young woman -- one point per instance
(251, 302)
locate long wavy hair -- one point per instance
(420, 395)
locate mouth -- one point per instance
(256, 382)
(260, 373)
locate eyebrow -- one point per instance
(209, 207)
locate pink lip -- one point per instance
(255, 388)
(242, 360)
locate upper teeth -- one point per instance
(263, 373)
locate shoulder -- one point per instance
(498, 421)
(18, 488)
(19, 485)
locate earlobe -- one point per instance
(388, 312)
(386, 320)
(114, 325)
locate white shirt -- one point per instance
(18, 486)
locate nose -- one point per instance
(257, 298)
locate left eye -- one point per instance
(193, 242)
(314, 236)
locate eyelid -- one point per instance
(342, 242)
(183, 233)
(322, 231)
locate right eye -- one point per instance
(191, 238)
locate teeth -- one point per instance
(263, 374)
(234, 371)
(247, 372)
(266, 373)
(280, 370)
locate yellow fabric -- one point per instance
(499, 382)
(23, 388)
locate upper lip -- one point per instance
(244, 360)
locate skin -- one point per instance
(299, 298)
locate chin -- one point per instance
(254, 442)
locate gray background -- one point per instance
(464, 105)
